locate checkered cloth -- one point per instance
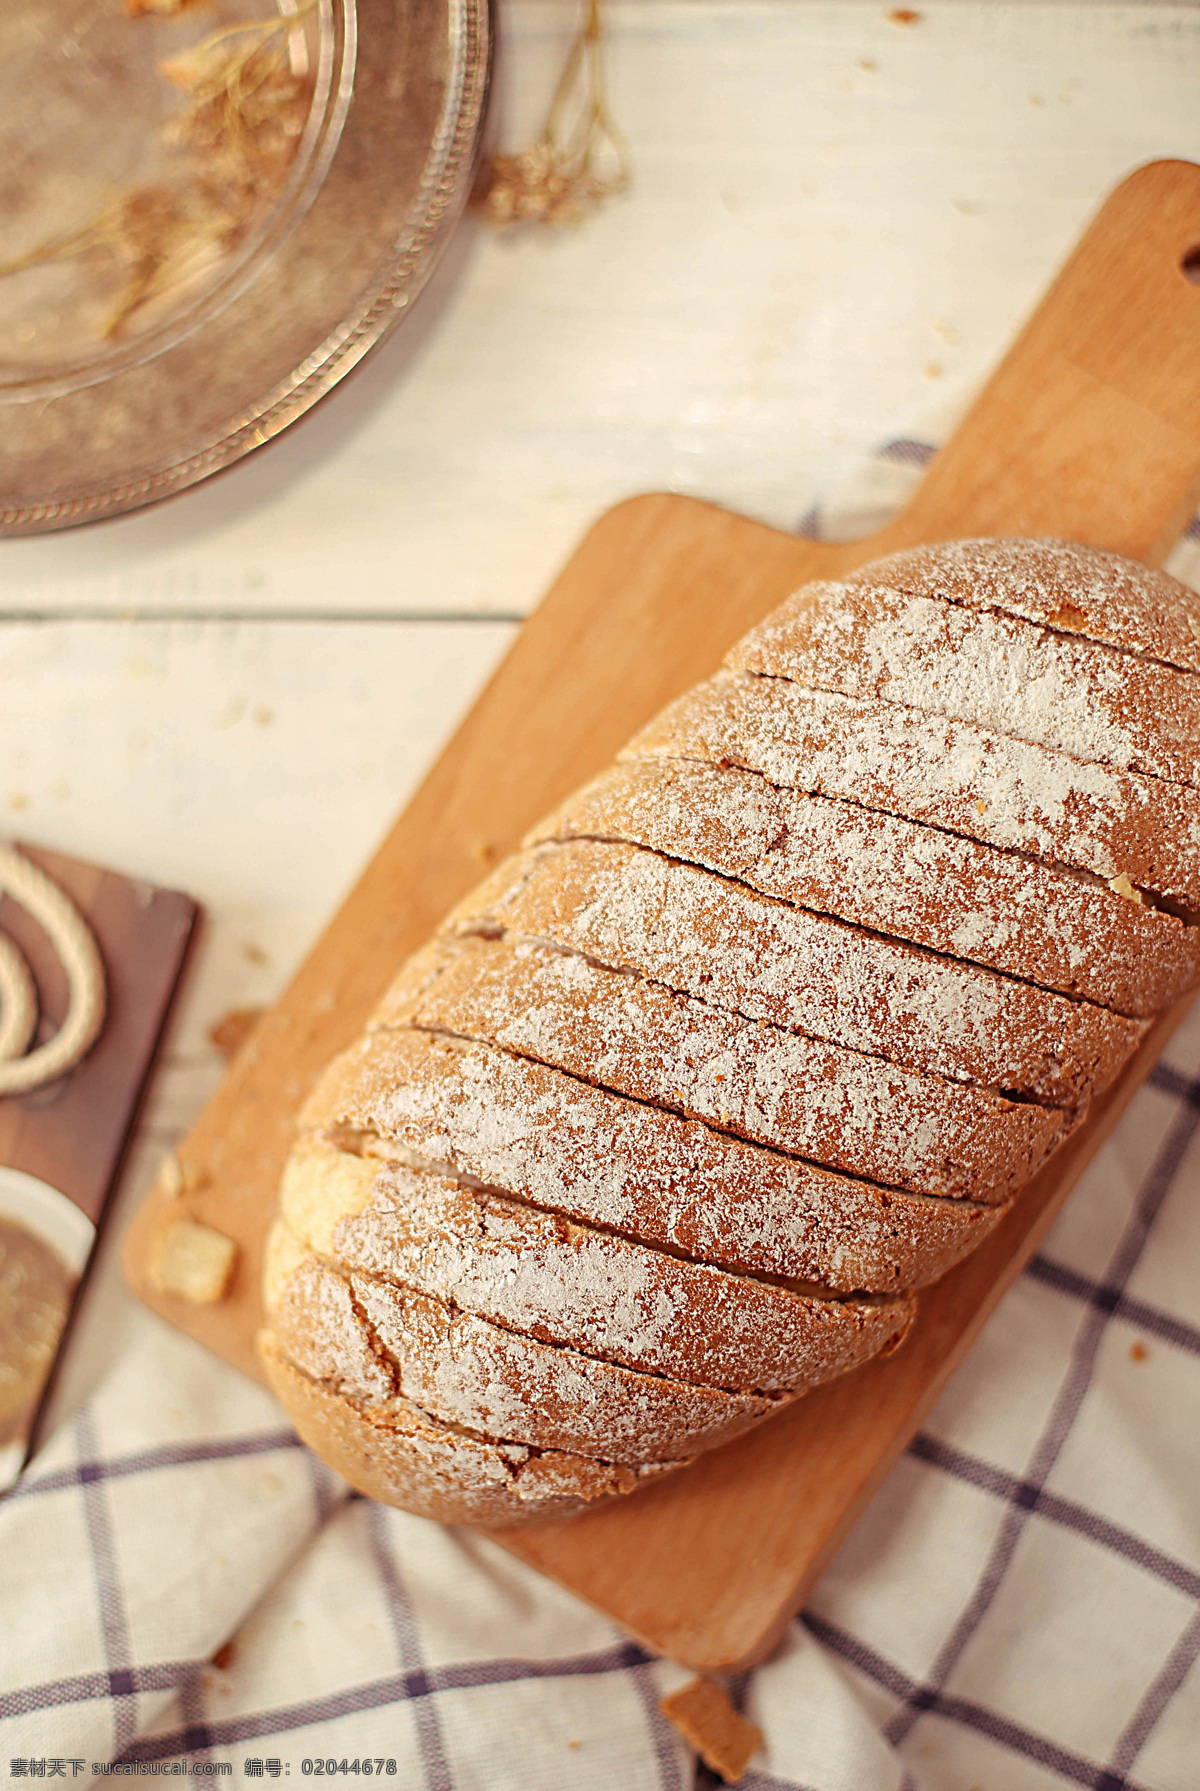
(1019, 1608)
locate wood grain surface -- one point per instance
(1089, 429)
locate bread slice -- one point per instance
(1098, 704)
(564, 1283)
(391, 1451)
(707, 936)
(831, 1106)
(1073, 589)
(469, 1374)
(893, 876)
(566, 1147)
(945, 774)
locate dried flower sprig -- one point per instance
(563, 175)
(239, 133)
(246, 110)
(154, 231)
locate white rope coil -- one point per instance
(77, 951)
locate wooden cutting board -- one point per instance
(1090, 429)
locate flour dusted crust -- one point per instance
(945, 774)
(466, 1373)
(1100, 705)
(391, 1451)
(587, 1154)
(818, 1101)
(761, 1032)
(705, 935)
(562, 1282)
(1072, 589)
(894, 877)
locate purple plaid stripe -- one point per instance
(1175, 1082)
(329, 1493)
(662, 1739)
(81, 1688)
(1056, 1510)
(395, 1688)
(114, 1626)
(121, 1681)
(1118, 1304)
(408, 1646)
(907, 452)
(143, 1461)
(1064, 1412)
(753, 1780)
(1163, 1687)
(191, 1704)
(1069, 1765)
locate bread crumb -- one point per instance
(232, 1029)
(980, 806)
(169, 1180)
(224, 1655)
(706, 1719)
(1120, 885)
(1138, 1352)
(176, 1178)
(904, 15)
(193, 1262)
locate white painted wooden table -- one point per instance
(836, 224)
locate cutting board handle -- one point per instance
(1112, 356)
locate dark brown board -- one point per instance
(72, 1133)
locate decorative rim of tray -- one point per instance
(405, 86)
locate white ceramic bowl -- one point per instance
(49, 1215)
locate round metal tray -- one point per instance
(91, 426)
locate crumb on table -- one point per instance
(231, 1030)
(707, 1720)
(193, 1262)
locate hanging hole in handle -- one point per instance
(1189, 265)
